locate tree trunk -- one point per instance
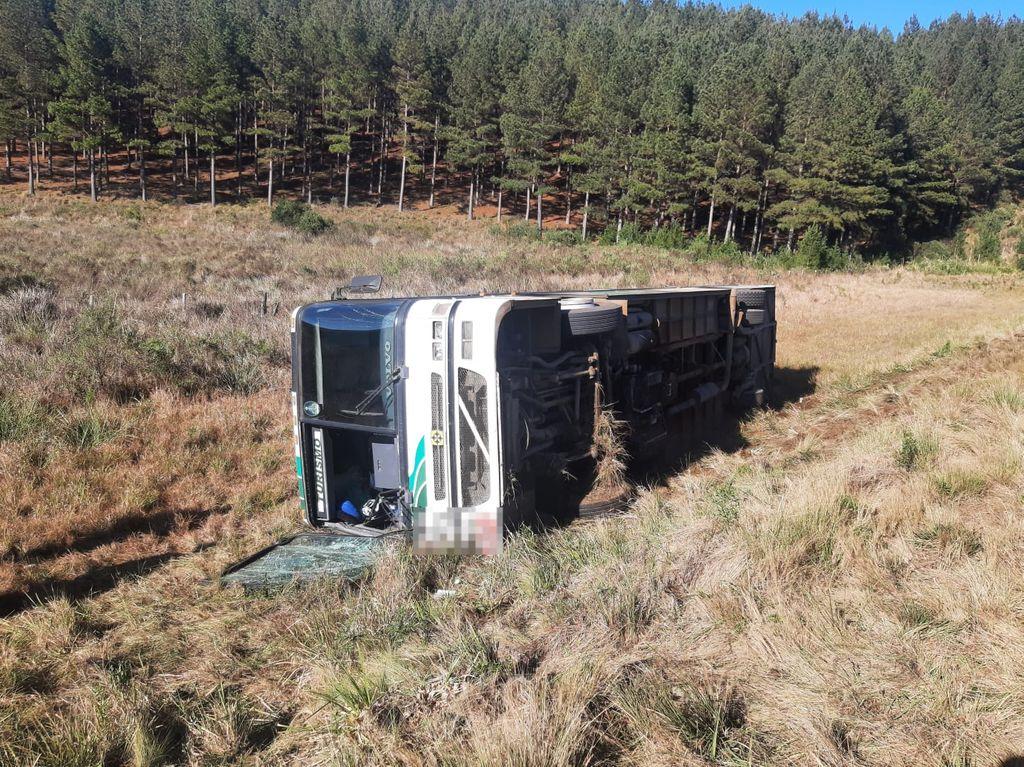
(730, 222)
(433, 163)
(348, 167)
(213, 177)
(586, 213)
(405, 154)
(470, 214)
(618, 225)
(762, 203)
(184, 139)
(238, 153)
(195, 178)
(92, 175)
(383, 159)
(270, 182)
(7, 158)
(789, 240)
(755, 239)
(526, 216)
(369, 161)
(74, 167)
(255, 147)
(142, 173)
(500, 190)
(711, 216)
(174, 175)
(568, 202)
(540, 216)
(31, 176)
(307, 169)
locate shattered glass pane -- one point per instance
(306, 557)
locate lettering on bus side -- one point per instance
(320, 473)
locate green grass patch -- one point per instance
(722, 502)
(950, 537)
(960, 484)
(914, 451)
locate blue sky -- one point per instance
(887, 13)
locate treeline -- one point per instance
(736, 124)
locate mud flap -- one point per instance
(306, 557)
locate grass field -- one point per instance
(843, 588)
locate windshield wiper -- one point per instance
(360, 409)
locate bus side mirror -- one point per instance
(363, 283)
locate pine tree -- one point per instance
(532, 117)
(279, 89)
(340, 36)
(212, 82)
(837, 154)
(641, 112)
(931, 198)
(472, 132)
(28, 52)
(1009, 120)
(732, 145)
(414, 91)
(83, 114)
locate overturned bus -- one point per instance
(457, 417)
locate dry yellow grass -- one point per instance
(845, 589)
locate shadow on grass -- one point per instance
(42, 587)
(162, 523)
(791, 385)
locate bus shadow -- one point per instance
(673, 455)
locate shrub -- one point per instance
(288, 212)
(520, 230)
(988, 246)
(564, 237)
(728, 252)
(17, 281)
(700, 246)
(572, 263)
(631, 234)
(300, 216)
(132, 213)
(102, 356)
(312, 223)
(671, 237)
(816, 254)
(938, 250)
